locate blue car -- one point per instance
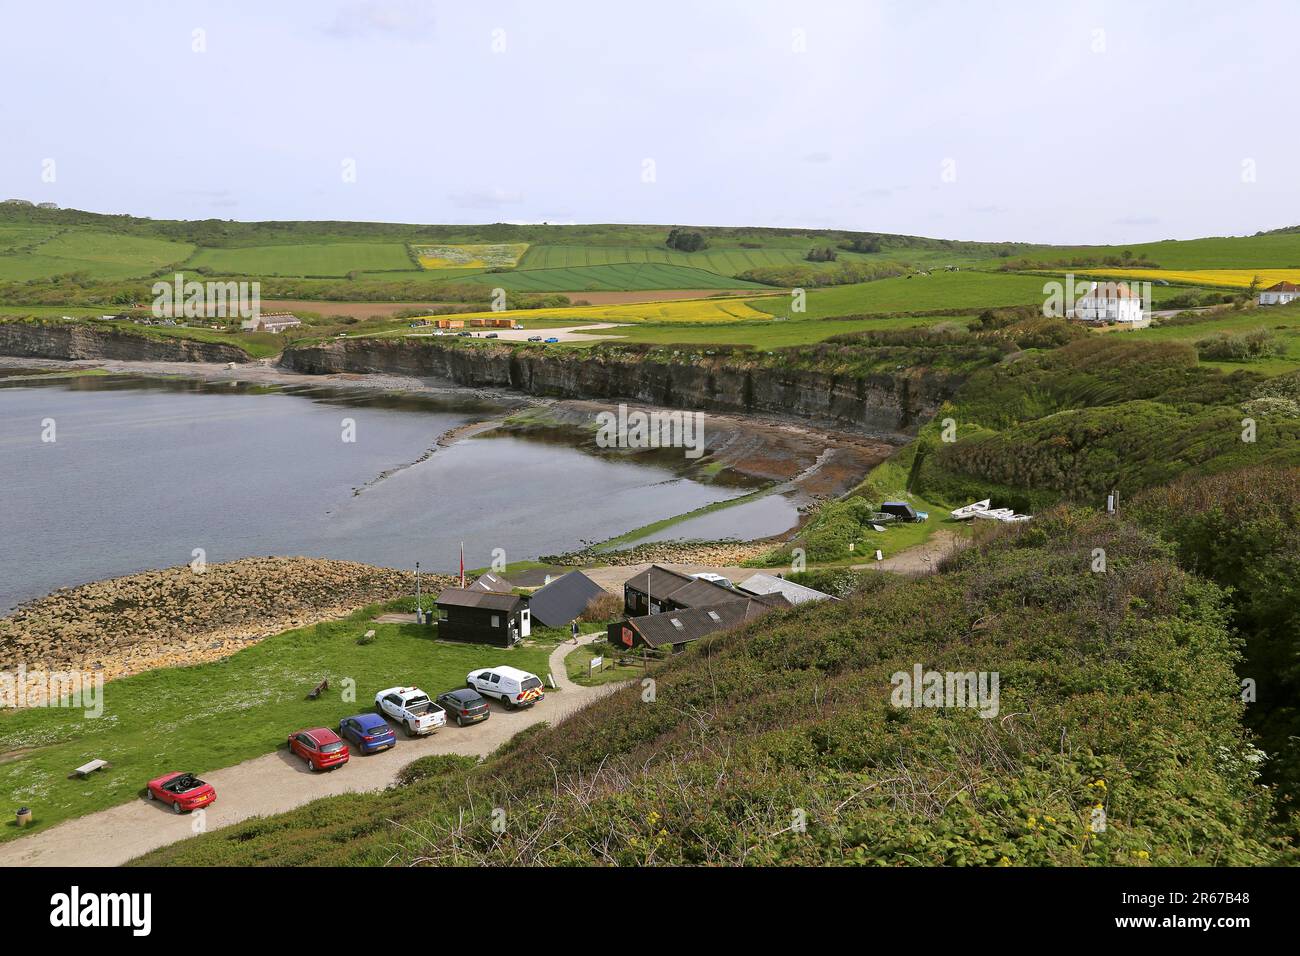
(551, 340)
(369, 732)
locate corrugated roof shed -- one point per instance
(563, 599)
(491, 582)
(794, 593)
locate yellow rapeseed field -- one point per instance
(1236, 278)
(499, 255)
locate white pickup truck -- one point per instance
(412, 708)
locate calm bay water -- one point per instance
(144, 471)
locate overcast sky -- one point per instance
(976, 119)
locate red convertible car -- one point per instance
(321, 748)
(183, 791)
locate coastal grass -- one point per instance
(1282, 321)
(578, 666)
(207, 716)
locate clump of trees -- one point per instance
(822, 254)
(806, 277)
(686, 240)
(861, 244)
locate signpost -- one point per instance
(595, 664)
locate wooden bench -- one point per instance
(319, 689)
(86, 770)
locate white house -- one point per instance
(1111, 302)
(270, 322)
(1280, 294)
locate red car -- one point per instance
(321, 748)
(183, 791)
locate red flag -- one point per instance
(462, 564)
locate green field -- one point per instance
(214, 715)
(101, 255)
(722, 261)
(1278, 250)
(306, 259)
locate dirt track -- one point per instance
(278, 782)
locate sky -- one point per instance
(999, 120)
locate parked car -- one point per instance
(370, 732)
(513, 687)
(183, 791)
(319, 747)
(465, 705)
(412, 708)
(492, 335)
(464, 334)
(534, 338)
(551, 340)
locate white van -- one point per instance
(513, 687)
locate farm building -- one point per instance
(1107, 302)
(562, 600)
(658, 589)
(773, 584)
(270, 322)
(678, 627)
(482, 617)
(1279, 294)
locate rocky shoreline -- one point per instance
(176, 616)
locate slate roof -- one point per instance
(663, 584)
(680, 627)
(464, 597)
(563, 599)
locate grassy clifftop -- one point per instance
(1116, 692)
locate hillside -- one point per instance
(1117, 703)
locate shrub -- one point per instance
(602, 608)
(1242, 347)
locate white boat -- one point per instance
(969, 511)
(996, 514)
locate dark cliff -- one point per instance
(897, 400)
(80, 340)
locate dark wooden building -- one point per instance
(658, 589)
(676, 628)
(482, 617)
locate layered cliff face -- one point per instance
(897, 401)
(68, 340)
